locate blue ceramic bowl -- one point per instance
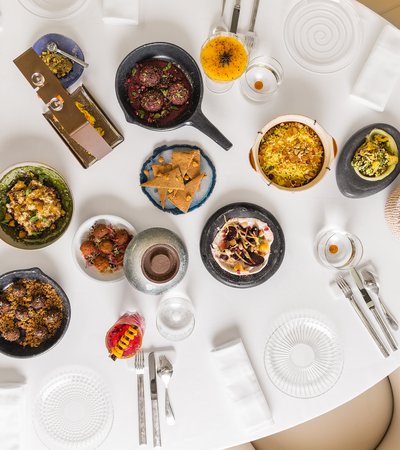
(67, 45)
(207, 184)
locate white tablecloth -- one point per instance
(205, 420)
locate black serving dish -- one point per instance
(13, 348)
(349, 183)
(193, 115)
(217, 221)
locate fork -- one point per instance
(250, 36)
(348, 293)
(139, 366)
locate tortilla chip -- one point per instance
(183, 198)
(169, 180)
(194, 169)
(182, 160)
(162, 192)
(160, 169)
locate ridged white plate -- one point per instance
(303, 357)
(53, 9)
(323, 35)
(73, 411)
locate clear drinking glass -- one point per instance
(124, 338)
(175, 317)
(338, 249)
(262, 78)
(224, 58)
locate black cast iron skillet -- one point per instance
(193, 115)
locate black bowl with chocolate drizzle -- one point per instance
(159, 87)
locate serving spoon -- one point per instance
(372, 283)
(53, 48)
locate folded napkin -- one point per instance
(121, 11)
(242, 385)
(12, 416)
(381, 71)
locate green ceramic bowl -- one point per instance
(49, 177)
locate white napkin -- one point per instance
(381, 71)
(242, 385)
(121, 11)
(12, 416)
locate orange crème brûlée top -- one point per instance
(224, 58)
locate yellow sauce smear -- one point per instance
(224, 58)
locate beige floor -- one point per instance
(389, 9)
(368, 422)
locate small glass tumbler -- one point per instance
(338, 249)
(175, 317)
(262, 79)
(124, 338)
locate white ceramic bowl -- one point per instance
(83, 233)
(329, 144)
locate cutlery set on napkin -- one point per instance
(367, 287)
(164, 369)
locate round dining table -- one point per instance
(205, 417)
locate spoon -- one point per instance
(53, 48)
(165, 371)
(220, 25)
(372, 283)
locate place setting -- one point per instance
(358, 283)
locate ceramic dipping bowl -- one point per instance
(155, 261)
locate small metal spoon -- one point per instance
(52, 47)
(165, 371)
(220, 26)
(372, 283)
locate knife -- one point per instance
(235, 17)
(371, 306)
(154, 401)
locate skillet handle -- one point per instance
(200, 121)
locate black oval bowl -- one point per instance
(349, 182)
(217, 221)
(16, 350)
(193, 115)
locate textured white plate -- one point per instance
(323, 35)
(82, 234)
(52, 9)
(73, 410)
(303, 357)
